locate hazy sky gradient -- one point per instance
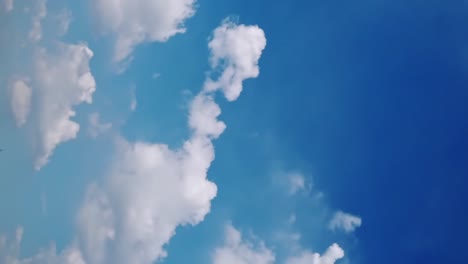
(232, 132)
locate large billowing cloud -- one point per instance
(151, 189)
(238, 251)
(133, 22)
(55, 79)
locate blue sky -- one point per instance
(233, 132)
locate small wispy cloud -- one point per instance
(96, 127)
(331, 255)
(8, 5)
(20, 96)
(292, 219)
(63, 20)
(156, 75)
(296, 183)
(344, 221)
(133, 99)
(35, 34)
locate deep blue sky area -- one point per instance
(373, 94)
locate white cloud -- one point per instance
(96, 127)
(56, 79)
(63, 80)
(8, 5)
(151, 189)
(345, 221)
(20, 96)
(296, 183)
(10, 253)
(238, 251)
(203, 113)
(137, 21)
(333, 253)
(63, 20)
(238, 57)
(133, 99)
(41, 12)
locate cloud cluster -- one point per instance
(55, 79)
(345, 222)
(239, 251)
(151, 189)
(133, 22)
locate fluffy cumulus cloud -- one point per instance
(333, 253)
(238, 58)
(344, 221)
(133, 22)
(151, 189)
(20, 94)
(55, 79)
(10, 251)
(238, 251)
